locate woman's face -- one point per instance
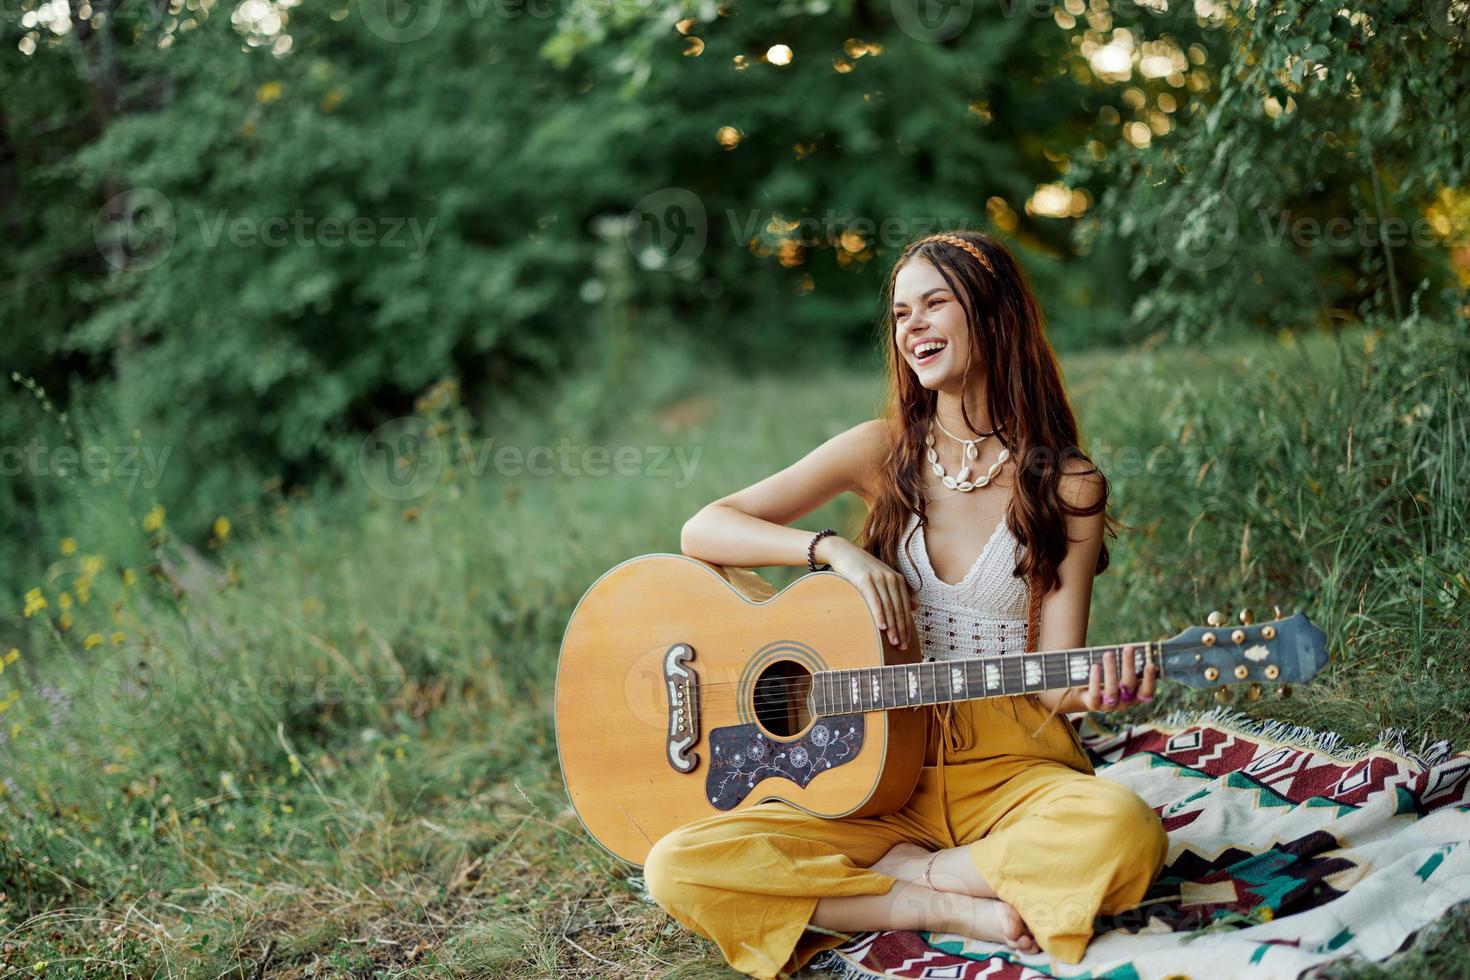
(929, 326)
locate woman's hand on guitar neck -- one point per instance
(885, 590)
(1110, 688)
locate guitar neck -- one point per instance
(836, 692)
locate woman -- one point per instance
(985, 524)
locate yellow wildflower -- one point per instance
(35, 602)
(92, 564)
(68, 546)
(92, 640)
(9, 658)
(130, 577)
(64, 600)
(222, 528)
(154, 519)
(64, 622)
(268, 93)
(117, 637)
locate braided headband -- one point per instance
(959, 242)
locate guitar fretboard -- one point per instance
(837, 692)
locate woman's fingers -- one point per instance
(1110, 680)
(894, 603)
(1150, 680)
(875, 602)
(1093, 697)
(906, 612)
(1128, 682)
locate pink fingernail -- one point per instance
(1110, 702)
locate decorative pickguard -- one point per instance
(742, 755)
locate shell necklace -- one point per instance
(961, 481)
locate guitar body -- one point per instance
(681, 693)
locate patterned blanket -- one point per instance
(1286, 852)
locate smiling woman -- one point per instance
(1009, 836)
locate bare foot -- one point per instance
(988, 920)
(905, 862)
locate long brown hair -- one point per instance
(1024, 395)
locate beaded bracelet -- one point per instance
(811, 551)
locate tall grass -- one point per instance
(324, 743)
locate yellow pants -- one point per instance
(1056, 842)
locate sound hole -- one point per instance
(781, 698)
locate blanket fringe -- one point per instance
(1395, 740)
(836, 967)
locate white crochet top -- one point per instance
(982, 615)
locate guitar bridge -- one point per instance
(683, 687)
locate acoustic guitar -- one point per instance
(685, 689)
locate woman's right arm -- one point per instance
(749, 528)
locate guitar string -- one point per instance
(1004, 661)
(778, 691)
(781, 692)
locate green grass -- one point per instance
(326, 748)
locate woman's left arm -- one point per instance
(1064, 611)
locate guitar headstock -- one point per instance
(1288, 650)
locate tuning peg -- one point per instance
(1247, 617)
(1216, 618)
(1284, 691)
(1223, 695)
(1253, 693)
(1275, 612)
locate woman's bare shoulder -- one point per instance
(867, 445)
(1082, 484)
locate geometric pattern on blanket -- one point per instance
(1286, 851)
